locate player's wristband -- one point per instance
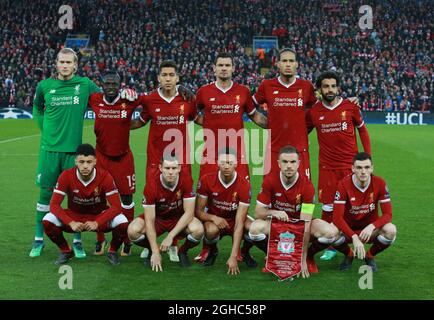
(307, 211)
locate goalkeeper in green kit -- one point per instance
(58, 108)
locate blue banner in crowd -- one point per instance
(399, 118)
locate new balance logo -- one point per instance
(321, 118)
(353, 199)
(276, 92)
(278, 194)
(101, 105)
(215, 194)
(211, 99)
(75, 191)
(53, 91)
(157, 110)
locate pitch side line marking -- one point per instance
(26, 137)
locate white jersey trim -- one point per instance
(168, 100)
(59, 192)
(86, 183)
(222, 89)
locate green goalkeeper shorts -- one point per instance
(51, 165)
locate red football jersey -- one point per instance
(286, 111)
(277, 196)
(336, 131)
(223, 199)
(223, 111)
(168, 202)
(358, 207)
(168, 125)
(112, 124)
(89, 197)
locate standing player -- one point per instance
(168, 202)
(356, 213)
(222, 204)
(58, 108)
(112, 130)
(168, 113)
(282, 195)
(89, 192)
(287, 98)
(335, 120)
(222, 105)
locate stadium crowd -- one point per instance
(388, 67)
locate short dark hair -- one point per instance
(327, 75)
(85, 149)
(168, 64)
(227, 150)
(224, 55)
(288, 149)
(286, 50)
(111, 74)
(169, 156)
(362, 156)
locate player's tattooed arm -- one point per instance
(186, 93)
(260, 119)
(136, 124)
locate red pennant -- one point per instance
(285, 248)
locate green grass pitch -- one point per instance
(403, 155)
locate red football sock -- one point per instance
(316, 247)
(344, 248)
(188, 244)
(55, 233)
(118, 236)
(376, 248)
(100, 236)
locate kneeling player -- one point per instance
(282, 196)
(88, 190)
(222, 204)
(356, 213)
(168, 202)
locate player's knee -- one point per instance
(196, 229)
(45, 195)
(135, 229)
(211, 231)
(257, 227)
(389, 232)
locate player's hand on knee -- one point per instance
(128, 94)
(366, 233)
(281, 215)
(90, 225)
(220, 222)
(76, 226)
(232, 264)
(156, 262)
(167, 242)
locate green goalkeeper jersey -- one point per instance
(62, 104)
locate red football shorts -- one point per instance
(165, 225)
(122, 170)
